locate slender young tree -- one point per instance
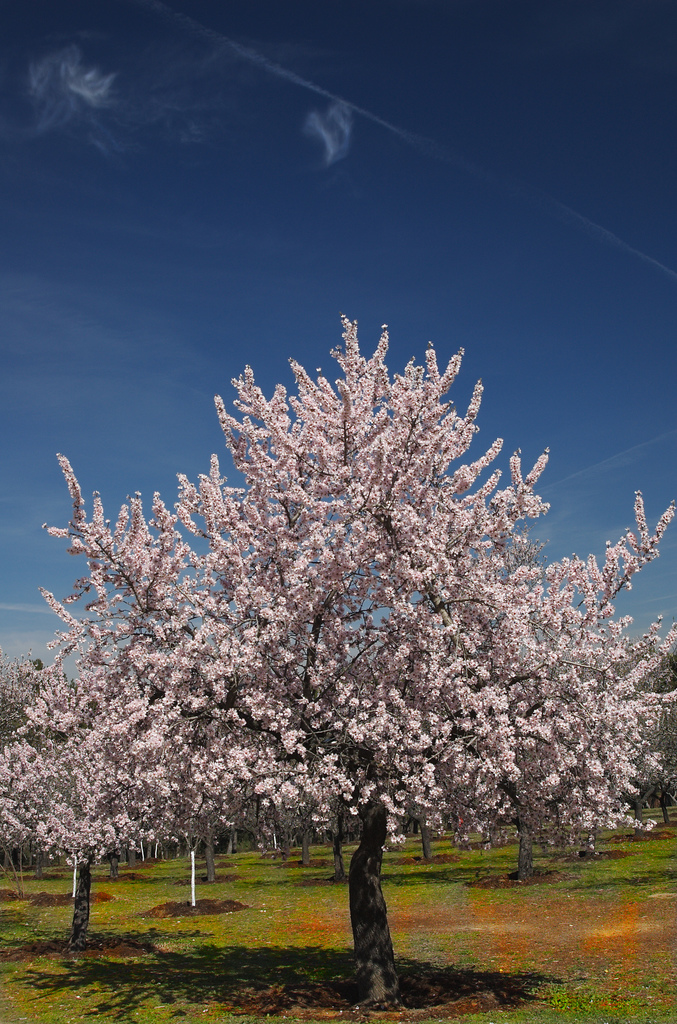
(351, 609)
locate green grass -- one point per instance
(597, 945)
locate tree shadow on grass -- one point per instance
(262, 981)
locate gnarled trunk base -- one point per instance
(426, 843)
(78, 937)
(525, 858)
(375, 972)
(209, 859)
(337, 849)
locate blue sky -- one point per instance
(193, 186)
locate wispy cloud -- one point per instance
(332, 129)
(31, 609)
(64, 90)
(551, 206)
(624, 458)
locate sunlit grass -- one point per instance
(599, 941)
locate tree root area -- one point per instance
(201, 908)
(605, 855)
(306, 882)
(645, 837)
(63, 899)
(112, 946)
(511, 880)
(10, 894)
(315, 863)
(438, 858)
(203, 879)
(451, 994)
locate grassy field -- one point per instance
(590, 941)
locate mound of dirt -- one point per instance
(322, 881)
(511, 880)
(451, 994)
(112, 946)
(438, 858)
(11, 894)
(203, 878)
(603, 855)
(644, 837)
(299, 864)
(129, 876)
(201, 908)
(49, 899)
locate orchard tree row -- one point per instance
(354, 632)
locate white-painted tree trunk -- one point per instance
(143, 855)
(192, 878)
(75, 875)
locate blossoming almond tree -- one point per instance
(350, 609)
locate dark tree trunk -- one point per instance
(209, 859)
(588, 849)
(114, 860)
(305, 848)
(374, 959)
(664, 807)
(233, 840)
(414, 826)
(426, 845)
(638, 813)
(131, 857)
(525, 858)
(337, 845)
(39, 861)
(78, 938)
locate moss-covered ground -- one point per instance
(592, 940)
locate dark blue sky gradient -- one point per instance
(161, 228)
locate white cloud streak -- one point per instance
(31, 609)
(559, 211)
(333, 130)
(64, 90)
(624, 458)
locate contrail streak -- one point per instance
(619, 459)
(560, 211)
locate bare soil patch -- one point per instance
(451, 994)
(201, 908)
(645, 837)
(203, 878)
(62, 899)
(11, 894)
(299, 864)
(438, 858)
(508, 881)
(323, 881)
(604, 855)
(111, 946)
